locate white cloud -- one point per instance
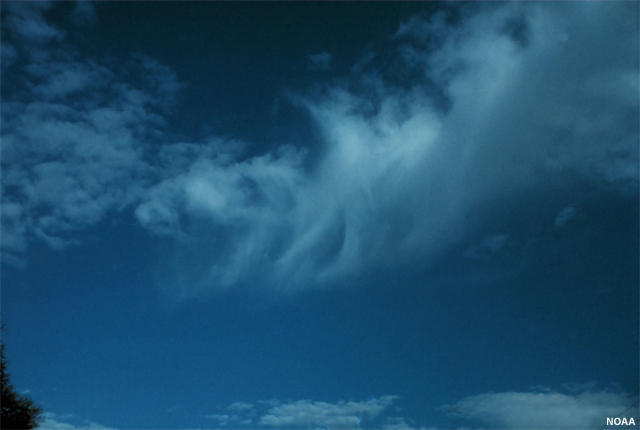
(397, 176)
(531, 108)
(545, 409)
(307, 413)
(580, 406)
(71, 139)
(54, 422)
(61, 172)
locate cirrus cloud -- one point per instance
(510, 98)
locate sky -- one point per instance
(398, 215)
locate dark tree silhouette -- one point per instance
(18, 411)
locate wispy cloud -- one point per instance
(510, 98)
(73, 138)
(55, 422)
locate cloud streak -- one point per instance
(398, 174)
(513, 97)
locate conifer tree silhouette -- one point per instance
(18, 411)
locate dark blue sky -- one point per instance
(321, 215)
